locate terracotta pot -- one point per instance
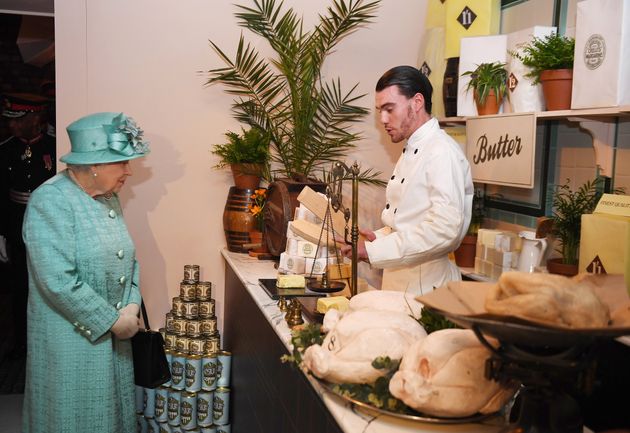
(465, 253)
(490, 106)
(557, 86)
(555, 266)
(238, 220)
(246, 176)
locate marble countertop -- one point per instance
(348, 416)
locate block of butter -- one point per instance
(337, 302)
(291, 281)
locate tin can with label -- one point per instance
(172, 406)
(188, 291)
(178, 371)
(170, 342)
(206, 308)
(191, 273)
(181, 343)
(168, 322)
(161, 400)
(152, 426)
(193, 327)
(191, 310)
(188, 411)
(178, 307)
(139, 399)
(224, 428)
(141, 424)
(209, 429)
(149, 402)
(193, 373)
(212, 344)
(209, 372)
(204, 290)
(224, 365)
(177, 429)
(165, 428)
(204, 408)
(168, 353)
(179, 326)
(196, 345)
(208, 326)
(221, 406)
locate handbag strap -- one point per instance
(144, 315)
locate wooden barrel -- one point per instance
(449, 89)
(238, 221)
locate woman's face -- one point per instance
(111, 177)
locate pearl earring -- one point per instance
(94, 174)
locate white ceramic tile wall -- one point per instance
(576, 157)
(622, 162)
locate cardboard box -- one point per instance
(524, 96)
(605, 238)
(465, 18)
(602, 43)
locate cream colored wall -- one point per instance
(143, 58)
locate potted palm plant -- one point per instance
(247, 155)
(307, 118)
(568, 208)
(488, 81)
(551, 62)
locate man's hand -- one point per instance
(346, 250)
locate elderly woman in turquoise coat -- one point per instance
(84, 286)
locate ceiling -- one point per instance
(28, 7)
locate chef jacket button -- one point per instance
(28, 176)
(404, 149)
(28, 161)
(415, 151)
(119, 305)
(112, 213)
(387, 206)
(122, 280)
(403, 180)
(393, 176)
(395, 210)
(120, 254)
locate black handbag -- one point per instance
(150, 367)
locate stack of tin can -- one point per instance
(196, 399)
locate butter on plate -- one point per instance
(337, 302)
(291, 281)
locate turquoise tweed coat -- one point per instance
(82, 269)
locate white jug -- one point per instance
(532, 251)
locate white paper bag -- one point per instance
(480, 49)
(601, 71)
(524, 96)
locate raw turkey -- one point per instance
(386, 300)
(354, 339)
(443, 375)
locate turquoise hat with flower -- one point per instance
(101, 138)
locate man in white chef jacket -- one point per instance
(429, 194)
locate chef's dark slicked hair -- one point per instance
(409, 81)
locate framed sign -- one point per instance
(501, 149)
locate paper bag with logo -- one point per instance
(602, 43)
(605, 238)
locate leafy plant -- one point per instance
(568, 208)
(488, 77)
(432, 321)
(250, 147)
(478, 213)
(306, 117)
(542, 54)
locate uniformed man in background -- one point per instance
(27, 159)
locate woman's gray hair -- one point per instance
(79, 167)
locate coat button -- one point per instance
(120, 254)
(122, 280)
(119, 305)
(112, 213)
(88, 332)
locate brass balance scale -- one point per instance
(289, 303)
